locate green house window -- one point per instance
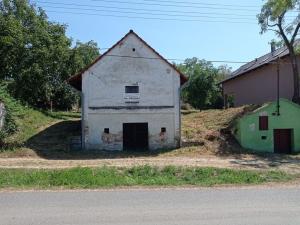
(263, 123)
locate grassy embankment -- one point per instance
(202, 133)
(105, 177)
(30, 122)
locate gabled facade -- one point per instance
(257, 81)
(130, 99)
(270, 129)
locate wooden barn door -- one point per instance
(283, 141)
(135, 136)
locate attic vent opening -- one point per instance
(106, 130)
(131, 89)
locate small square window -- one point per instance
(163, 130)
(131, 89)
(264, 137)
(106, 130)
(263, 123)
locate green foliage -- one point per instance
(202, 90)
(37, 56)
(83, 54)
(139, 175)
(273, 11)
(9, 126)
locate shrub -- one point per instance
(9, 126)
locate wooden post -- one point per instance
(51, 106)
(278, 87)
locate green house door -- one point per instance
(283, 141)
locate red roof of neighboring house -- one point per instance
(76, 80)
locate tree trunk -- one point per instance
(293, 58)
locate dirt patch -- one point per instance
(291, 165)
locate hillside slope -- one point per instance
(29, 121)
(207, 132)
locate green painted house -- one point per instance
(270, 128)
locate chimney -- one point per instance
(273, 46)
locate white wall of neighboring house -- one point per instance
(105, 104)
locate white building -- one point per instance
(130, 99)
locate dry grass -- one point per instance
(204, 132)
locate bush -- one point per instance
(9, 126)
(186, 106)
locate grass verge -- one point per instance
(106, 177)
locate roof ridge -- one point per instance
(260, 61)
(75, 80)
(270, 53)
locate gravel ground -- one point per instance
(290, 164)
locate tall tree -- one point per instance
(37, 57)
(202, 90)
(82, 55)
(274, 17)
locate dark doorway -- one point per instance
(135, 136)
(283, 141)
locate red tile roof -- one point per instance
(76, 80)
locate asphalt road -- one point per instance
(228, 206)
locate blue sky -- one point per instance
(236, 40)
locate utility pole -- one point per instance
(278, 87)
